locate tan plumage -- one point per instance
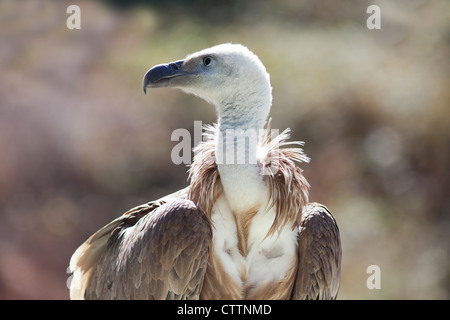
(204, 241)
(110, 256)
(319, 255)
(134, 255)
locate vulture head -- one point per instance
(229, 76)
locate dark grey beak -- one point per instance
(160, 75)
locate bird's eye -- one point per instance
(206, 61)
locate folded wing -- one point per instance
(319, 255)
(155, 251)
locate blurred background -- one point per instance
(80, 143)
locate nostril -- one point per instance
(173, 66)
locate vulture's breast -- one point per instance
(244, 262)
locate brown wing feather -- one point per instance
(155, 251)
(319, 255)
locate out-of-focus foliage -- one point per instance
(80, 143)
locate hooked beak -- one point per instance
(160, 75)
